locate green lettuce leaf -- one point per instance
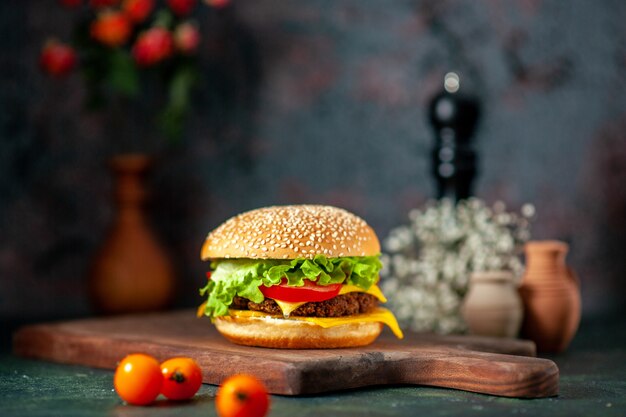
(243, 277)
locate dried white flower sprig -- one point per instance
(428, 262)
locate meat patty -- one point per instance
(341, 305)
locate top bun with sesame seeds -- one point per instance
(291, 232)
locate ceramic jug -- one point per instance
(131, 272)
(492, 306)
(551, 295)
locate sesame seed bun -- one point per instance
(290, 232)
(273, 332)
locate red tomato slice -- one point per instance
(310, 291)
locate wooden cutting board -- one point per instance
(501, 367)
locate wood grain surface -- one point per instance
(502, 367)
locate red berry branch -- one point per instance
(119, 45)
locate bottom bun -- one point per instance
(275, 332)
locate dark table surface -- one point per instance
(592, 383)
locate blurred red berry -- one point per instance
(57, 59)
(181, 7)
(153, 46)
(187, 38)
(103, 3)
(111, 28)
(138, 10)
(71, 3)
(218, 4)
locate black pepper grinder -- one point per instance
(454, 117)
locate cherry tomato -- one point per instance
(242, 396)
(138, 379)
(182, 378)
(310, 291)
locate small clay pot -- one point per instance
(551, 296)
(492, 306)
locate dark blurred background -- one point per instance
(319, 101)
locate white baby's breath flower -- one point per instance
(428, 261)
(528, 210)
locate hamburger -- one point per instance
(295, 277)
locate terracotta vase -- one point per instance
(551, 295)
(131, 272)
(492, 306)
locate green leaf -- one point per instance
(163, 19)
(243, 277)
(171, 122)
(173, 116)
(123, 76)
(180, 87)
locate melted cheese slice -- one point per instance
(287, 307)
(374, 290)
(380, 315)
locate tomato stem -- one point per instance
(178, 376)
(241, 396)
